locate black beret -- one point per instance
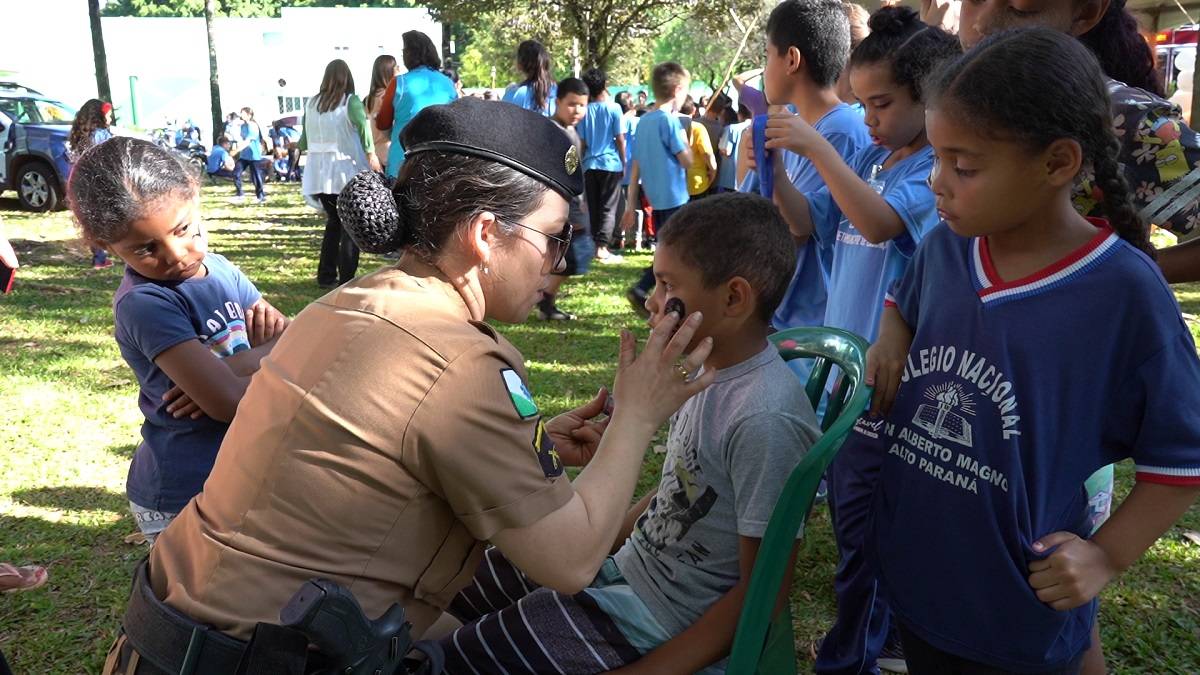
(502, 132)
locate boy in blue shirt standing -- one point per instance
(808, 43)
(660, 162)
(603, 135)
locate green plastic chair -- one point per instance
(765, 643)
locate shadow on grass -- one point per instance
(90, 568)
(73, 498)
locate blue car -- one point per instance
(33, 148)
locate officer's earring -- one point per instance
(484, 268)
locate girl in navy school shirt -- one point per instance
(1030, 346)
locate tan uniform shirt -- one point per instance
(385, 437)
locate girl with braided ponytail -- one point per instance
(990, 431)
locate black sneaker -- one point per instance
(637, 299)
(548, 311)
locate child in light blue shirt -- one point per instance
(660, 161)
(603, 134)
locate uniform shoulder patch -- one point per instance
(547, 454)
(521, 398)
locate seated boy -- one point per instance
(670, 597)
(220, 162)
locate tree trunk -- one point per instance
(214, 86)
(103, 90)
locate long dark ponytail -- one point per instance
(534, 62)
(1037, 86)
(1121, 50)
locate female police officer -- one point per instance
(392, 431)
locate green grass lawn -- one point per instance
(70, 425)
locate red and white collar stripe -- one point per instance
(993, 289)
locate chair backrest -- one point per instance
(752, 650)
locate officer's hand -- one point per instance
(576, 434)
(652, 385)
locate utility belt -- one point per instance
(321, 614)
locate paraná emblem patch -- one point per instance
(522, 400)
(571, 161)
(546, 453)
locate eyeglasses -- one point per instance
(562, 241)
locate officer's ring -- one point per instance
(683, 371)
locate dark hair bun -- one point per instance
(894, 20)
(368, 211)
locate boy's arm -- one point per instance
(620, 141)
(1181, 264)
(745, 154)
(684, 157)
(205, 379)
(793, 205)
(1079, 569)
(872, 216)
(632, 202)
(710, 638)
(631, 518)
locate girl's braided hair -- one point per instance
(1037, 85)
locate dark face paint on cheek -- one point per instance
(675, 305)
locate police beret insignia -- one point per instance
(520, 139)
(572, 160)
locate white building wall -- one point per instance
(52, 52)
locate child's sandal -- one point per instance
(27, 578)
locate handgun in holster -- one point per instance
(348, 642)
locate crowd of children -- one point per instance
(960, 201)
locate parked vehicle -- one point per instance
(188, 146)
(33, 148)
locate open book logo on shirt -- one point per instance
(522, 400)
(939, 417)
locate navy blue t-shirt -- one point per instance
(176, 455)
(1014, 393)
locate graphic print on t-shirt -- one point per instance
(940, 437)
(683, 496)
(938, 417)
(226, 330)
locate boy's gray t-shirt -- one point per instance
(729, 452)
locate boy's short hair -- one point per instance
(819, 29)
(688, 108)
(735, 234)
(666, 78)
(571, 85)
(596, 81)
(222, 139)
